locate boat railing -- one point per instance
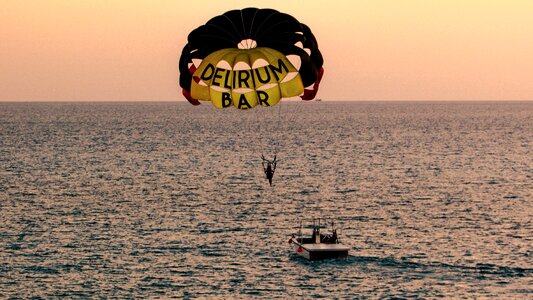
(331, 238)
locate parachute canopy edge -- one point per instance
(251, 66)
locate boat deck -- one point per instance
(325, 247)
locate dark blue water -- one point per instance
(159, 200)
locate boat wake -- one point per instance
(407, 266)
(434, 267)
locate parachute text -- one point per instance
(251, 79)
(243, 102)
(244, 78)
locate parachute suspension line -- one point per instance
(259, 128)
(258, 120)
(279, 122)
(258, 143)
(267, 129)
(271, 125)
(287, 114)
(292, 113)
(295, 120)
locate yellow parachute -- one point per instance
(250, 57)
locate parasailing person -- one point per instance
(269, 167)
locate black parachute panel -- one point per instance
(267, 28)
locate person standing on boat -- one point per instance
(269, 167)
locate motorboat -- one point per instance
(319, 246)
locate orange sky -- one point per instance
(102, 50)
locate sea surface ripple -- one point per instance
(162, 200)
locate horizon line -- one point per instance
(314, 100)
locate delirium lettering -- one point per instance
(236, 79)
(244, 78)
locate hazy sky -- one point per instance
(101, 50)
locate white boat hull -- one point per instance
(320, 251)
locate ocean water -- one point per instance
(167, 200)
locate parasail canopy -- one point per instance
(249, 57)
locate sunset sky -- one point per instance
(128, 50)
